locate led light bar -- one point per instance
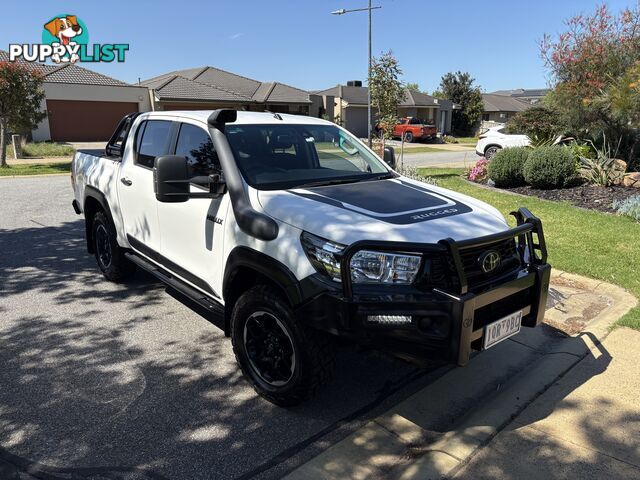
(389, 319)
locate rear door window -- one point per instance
(195, 144)
(152, 140)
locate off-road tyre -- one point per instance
(110, 256)
(313, 350)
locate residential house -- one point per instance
(83, 105)
(349, 104)
(498, 109)
(529, 95)
(209, 88)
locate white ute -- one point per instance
(289, 231)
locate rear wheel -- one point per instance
(284, 361)
(109, 255)
(408, 137)
(491, 151)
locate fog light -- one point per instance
(389, 319)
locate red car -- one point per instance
(412, 129)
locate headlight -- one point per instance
(323, 254)
(381, 267)
(366, 266)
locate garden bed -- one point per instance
(585, 196)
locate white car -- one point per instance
(495, 139)
(287, 231)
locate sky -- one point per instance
(301, 44)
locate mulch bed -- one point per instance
(585, 196)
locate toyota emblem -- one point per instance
(489, 261)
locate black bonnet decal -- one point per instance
(392, 201)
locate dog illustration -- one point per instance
(64, 28)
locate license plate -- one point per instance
(502, 329)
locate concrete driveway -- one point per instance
(125, 381)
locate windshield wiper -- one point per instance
(338, 181)
(384, 176)
(321, 183)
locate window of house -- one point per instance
(195, 144)
(485, 117)
(152, 140)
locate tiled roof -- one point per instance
(281, 93)
(40, 67)
(523, 92)
(358, 96)
(75, 74)
(414, 98)
(230, 81)
(68, 73)
(180, 88)
(503, 103)
(222, 86)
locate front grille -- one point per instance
(510, 260)
(440, 270)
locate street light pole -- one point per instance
(369, 84)
(342, 11)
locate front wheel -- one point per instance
(408, 137)
(491, 151)
(284, 361)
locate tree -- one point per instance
(592, 72)
(386, 90)
(20, 97)
(459, 88)
(413, 86)
(538, 122)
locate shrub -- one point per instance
(550, 167)
(478, 172)
(629, 207)
(412, 172)
(449, 139)
(538, 123)
(602, 171)
(505, 168)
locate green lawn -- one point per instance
(594, 244)
(467, 140)
(420, 149)
(35, 169)
(43, 149)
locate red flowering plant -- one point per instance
(478, 173)
(586, 63)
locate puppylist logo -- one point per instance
(65, 39)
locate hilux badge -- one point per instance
(489, 261)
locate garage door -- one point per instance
(80, 121)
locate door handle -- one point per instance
(126, 181)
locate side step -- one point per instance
(209, 304)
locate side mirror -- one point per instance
(390, 157)
(170, 179)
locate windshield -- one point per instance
(289, 156)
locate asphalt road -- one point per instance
(440, 159)
(100, 380)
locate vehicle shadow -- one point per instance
(542, 446)
(122, 381)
